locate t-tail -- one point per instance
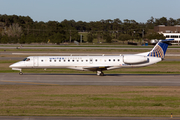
(160, 48)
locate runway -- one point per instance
(90, 79)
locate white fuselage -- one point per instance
(91, 63)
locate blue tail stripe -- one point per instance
(156, 53)
(163, 46)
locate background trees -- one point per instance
(155, 36)
(90, 38)
(124, 37)
(22, 29)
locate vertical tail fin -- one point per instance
(160, 48)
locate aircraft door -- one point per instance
(35, 61)
(91, 60)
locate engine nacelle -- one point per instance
(134, 59)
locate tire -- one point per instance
(20, 73)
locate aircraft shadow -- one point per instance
(142, 74)
(81, 74)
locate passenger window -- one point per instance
(81, 60)
(59, 60)
(77, 60)
(64, 60)
(96, 60)
(68, 60)
(109, 59)
(73, 60)
(41, 60)
(113, 59)
(86, 60)
(50, 60)
(118, 60)
(54, 60)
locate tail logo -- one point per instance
(160, 49)
(157, 52)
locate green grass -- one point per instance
(35, 100)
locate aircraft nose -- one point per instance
(13, 65)
(16, 65)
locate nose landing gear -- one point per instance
(20, 73)
(20, 70)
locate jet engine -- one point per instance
(134, 59)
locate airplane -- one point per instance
(96, 63)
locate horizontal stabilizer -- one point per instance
(167, 41)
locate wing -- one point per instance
(96, 68)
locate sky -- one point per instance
(91, 10)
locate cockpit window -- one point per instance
(26, 59)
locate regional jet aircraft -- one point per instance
(95, 63)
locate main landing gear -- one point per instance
(100, 73)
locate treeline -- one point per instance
(22, 29)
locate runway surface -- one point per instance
(90, 79)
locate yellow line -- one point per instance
(27, 82)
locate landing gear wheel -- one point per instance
(100, 73)
(20, 73)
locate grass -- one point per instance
(34, 100)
